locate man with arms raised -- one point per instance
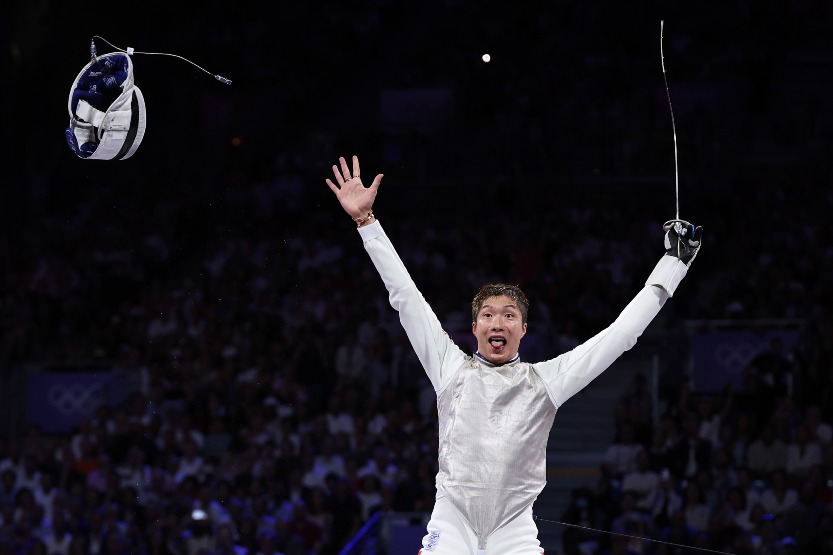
(495, 411)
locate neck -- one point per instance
(511, 360)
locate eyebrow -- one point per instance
(504, 306)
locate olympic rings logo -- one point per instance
(76, 398)
(734, 356)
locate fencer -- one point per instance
(495, 410)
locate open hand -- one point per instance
(354, 197)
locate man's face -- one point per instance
(498, 329)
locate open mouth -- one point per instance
(497, 343)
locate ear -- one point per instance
(474, 328)
(523, 330)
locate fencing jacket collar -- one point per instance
(516, 358)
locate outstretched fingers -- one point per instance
(332, 186)
(345, 171)
(343, 174)
(376, 181)
(339, 179)
(338, 175)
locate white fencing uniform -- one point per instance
(494, 421)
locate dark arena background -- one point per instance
(197, 356)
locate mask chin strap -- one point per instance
(130, 51)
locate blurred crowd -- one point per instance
(746, 471)
(276, 404)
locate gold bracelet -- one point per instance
(364, 219)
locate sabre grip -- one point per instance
(682, 240)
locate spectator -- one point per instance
(666, 439)
(29, 476)
(711, 419)
(134, 472)
(818, 430)
(621, 456)
(697, 512)
(734, 446)
(306, 528)
(822, 540)
(338, 419)
(774, 368)
(753, 489)
(198, 535)
(692, 454)
(84, 433)
(802, 519)
(802, 453)
(380, 465)
(45, 494)
(37, 547)
(766, 454)
(190, 463)
(58, 541)
(677, 531)
(666, 503)
(631, 521)
(329, 461)
(724, 476)
(583, 512)
(13, 459)
(346, 510)
(735, 510)
(225, 544)
(8, 487)
(779, 496)
(351, 359)
(642, 481)
(370, 495)
(318, 510)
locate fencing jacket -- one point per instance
(494, 421)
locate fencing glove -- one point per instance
(682, 240)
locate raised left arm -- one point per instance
(570, 372)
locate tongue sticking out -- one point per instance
(497, 344)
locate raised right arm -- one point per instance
(434, 348)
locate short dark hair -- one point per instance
(496, 290)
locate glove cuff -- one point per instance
(668, 273)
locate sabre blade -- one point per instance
(673, 124)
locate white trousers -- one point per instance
(450, 534)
